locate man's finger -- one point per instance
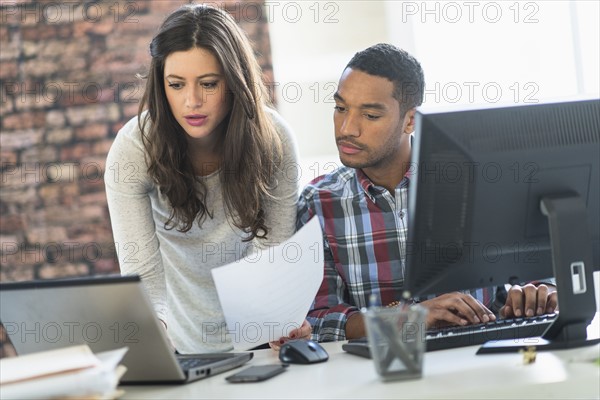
(552, 303)
(515, 295)
(542, 299)
(506, 311)
(483, 313)
(530, 294)
(439, 314)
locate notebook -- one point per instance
(107, 313)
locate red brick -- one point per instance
(12, 223)
(69, 195)
(37, 101)
(116, 127)
(146, 24)
(102, 147)
(18, 139)
(164, 7)
(16, 271)
(75, 152)
(93, 131)
(50, 194)
(11, 50)
(91, 170)
(59, 172)
(6, 105)
(106, 266)
(46, 234)
(8, 158)
(19, 196)
(37, 31)
(8, 70)
(132, 41)
(93, 113)
(102, 28)
(92, 198)
(4, 36)
(74, 63)
(59, 135)
(26, 174)
(52, 271)
(40, 68)
(92, 185)
(54, 215)
(130, 110)
(55, 118)
(39, 154)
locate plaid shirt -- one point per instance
(365, 229)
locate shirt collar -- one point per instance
(371, 189)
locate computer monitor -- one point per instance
(508, 195)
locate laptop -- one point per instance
(105, 313)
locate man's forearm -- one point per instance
(355, 326)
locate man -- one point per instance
(362, 206)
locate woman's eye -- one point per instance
(175, 85)
(209, 85)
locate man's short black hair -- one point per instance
(402, 69)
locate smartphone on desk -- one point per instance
(256, 373)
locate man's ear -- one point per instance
(409, 121)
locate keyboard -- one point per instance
(461, 336)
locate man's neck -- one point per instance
(390, 175)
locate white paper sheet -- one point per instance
(46, 363)
(267, 294)
(98, 381)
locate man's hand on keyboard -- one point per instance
(530, 300)
(456, 309)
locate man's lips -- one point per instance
(195, 119)
(348, 148)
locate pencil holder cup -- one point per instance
(396, 338)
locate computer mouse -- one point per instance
(302, 352)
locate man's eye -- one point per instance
(372, 117)
(339, 109)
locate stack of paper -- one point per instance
(68, 372)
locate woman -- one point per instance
(197, 180)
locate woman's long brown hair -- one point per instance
(250, 149)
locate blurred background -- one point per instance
(68, 83)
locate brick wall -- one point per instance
(67, 84)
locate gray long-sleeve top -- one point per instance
(176, 267)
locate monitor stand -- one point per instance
(572, 262)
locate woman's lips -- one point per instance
(195, 120)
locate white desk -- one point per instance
(447, 374)
(456, 373)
